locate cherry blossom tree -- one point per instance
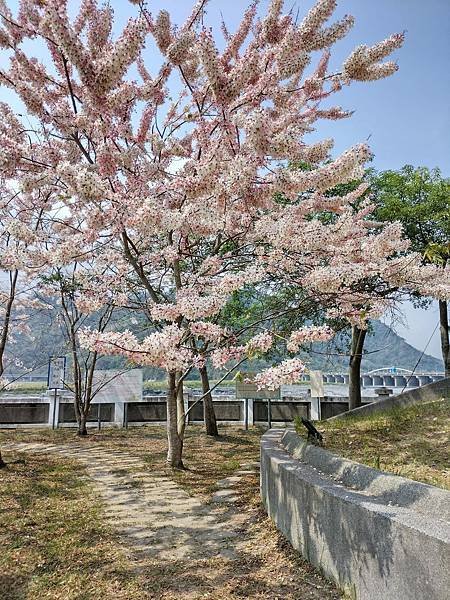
(21, 216)
(169, 175)
(71, 286)
(349, 264)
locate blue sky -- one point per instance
(406, 117)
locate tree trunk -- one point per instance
(208, 406)
(354, 371)
(181, 417)
(82, 429)
(174, 440)
(445, 341)
(81, 415)
(2, 462)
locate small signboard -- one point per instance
(124, 386)
(245, 389)
(56, 372)
(316, 382)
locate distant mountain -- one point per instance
(382, 348)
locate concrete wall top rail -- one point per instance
(426, 393)
(379, 538)
(388, 489)
(25, 399)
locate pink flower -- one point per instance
(307, 335)
(289, 371)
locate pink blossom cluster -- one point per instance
(190, 306)
(259, 344)
(287, 372)
(307, 335)
(364, 64)
(89, 303)
(162, 348)
(220, 357)
(210, 332)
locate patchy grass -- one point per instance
(161, 384)
(209, 460)
(70, 554)
(54, 543)
(269, 570)
(411, 442)
(25, 387)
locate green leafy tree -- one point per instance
(420, 199)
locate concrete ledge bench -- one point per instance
(377, 535)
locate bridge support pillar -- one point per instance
(367, 381)
(413, 381)
(400, 380)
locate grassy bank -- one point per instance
(25, 387)
(412, 442)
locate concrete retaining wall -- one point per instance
(426, 393)
(44, 410)
(378, 536)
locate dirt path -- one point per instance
(155, 516)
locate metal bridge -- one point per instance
(385, 377)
